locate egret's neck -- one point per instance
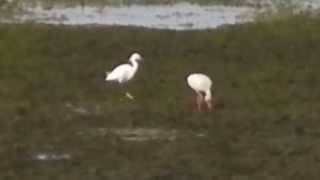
(134, 64)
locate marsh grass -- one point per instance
(267, 75)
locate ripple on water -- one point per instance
(49, 156)
(142, 134)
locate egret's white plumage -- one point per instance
(125, 72)
(201, 84)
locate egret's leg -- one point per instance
(125, 86)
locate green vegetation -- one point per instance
(267, 75)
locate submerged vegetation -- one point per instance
(265, 74)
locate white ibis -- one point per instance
(125, 72)
(201, 84)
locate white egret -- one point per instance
(125, 72)
(201, 84)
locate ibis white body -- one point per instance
(201, 84)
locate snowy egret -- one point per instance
(125, 72)
(201, 84)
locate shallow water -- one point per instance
(179, 16)
(91, 136)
